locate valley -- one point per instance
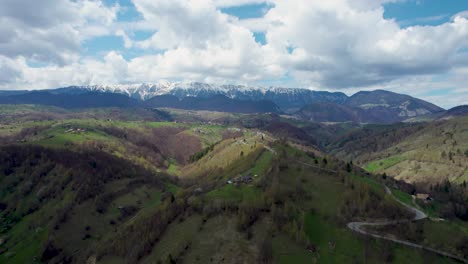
(233, 132)
(144, 185)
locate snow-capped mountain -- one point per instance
(287, 98)
(377, 106)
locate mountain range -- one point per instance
(377, 106)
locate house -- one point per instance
(241, 180)
(423, 196)
(244, 179)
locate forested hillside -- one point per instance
(121, 185)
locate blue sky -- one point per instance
(424, 12)
(418, 47)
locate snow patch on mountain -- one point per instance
(146, 91)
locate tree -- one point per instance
(384, 176)
(443, 154)
(170, 260)
(447, 186)
(265, 251)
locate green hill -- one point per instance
(81, 187)
(427, 152)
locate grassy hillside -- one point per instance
(81, 189)
(61, 200)
(271, 219)
(431, 152)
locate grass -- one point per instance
(219, 241)
(321, 232)
(444, 235)
(233, 193)
(28, 108)
(219, 238)
(380, 165)
(175, 238)
(371, 182)
(144, 197)
(209, 134)
(430, 155)
(430, 209)
(286, 251)
(352, 248)
(262, 163)
(402, 196)
(25, 242)
(405, 255)
(326, 191)
(174, 189)
(163, 124)
(59, 139)
(224, 154)
(191, 240)
(173, 168)
(28, 250)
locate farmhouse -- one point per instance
(245, 179)
(423, 196)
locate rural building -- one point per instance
(423, 196)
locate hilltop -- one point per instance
(115, 185)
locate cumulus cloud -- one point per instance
(461, 14)
(10, 71)
(231, 3)
(86, 71)
(200, 42)
(334, 44)
(341, 44)
(51, 31)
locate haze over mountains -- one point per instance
(377, 106)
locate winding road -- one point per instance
(418, 215)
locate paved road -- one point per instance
(418, 215)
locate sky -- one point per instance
(416, 47)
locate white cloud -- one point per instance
(51, 31)
(201, 43)
(231, 3)
(111, 68)
(461, 14)
(340, 44)
(128, 43)
(10, 71)
(333, 44)
(183, 23)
